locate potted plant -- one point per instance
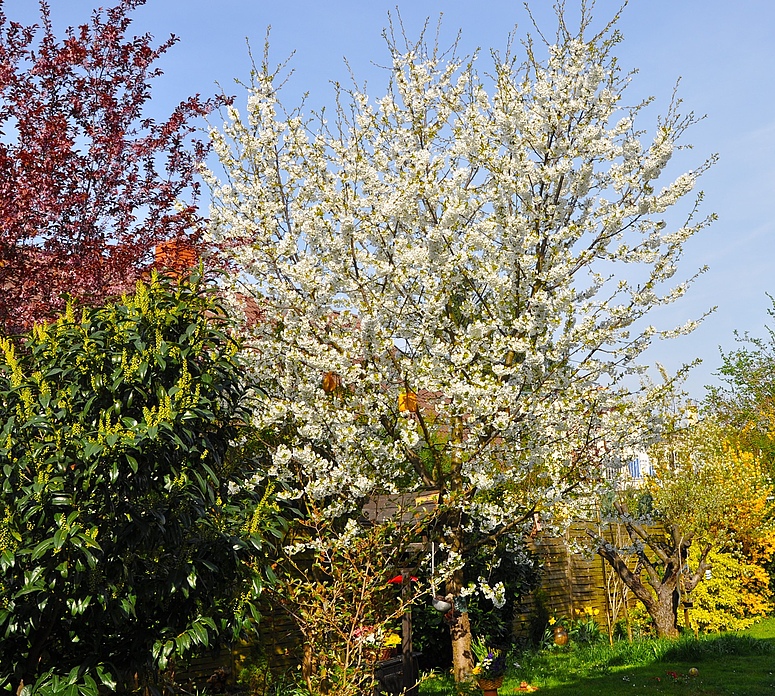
(377, 642)
(390, 645)
(490, 667)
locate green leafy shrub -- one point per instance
(124, 529)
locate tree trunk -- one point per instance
(460, 632)
(460, 626)
(661, 600)
(665, 614)
(461, 648)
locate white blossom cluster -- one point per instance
(452, 279)
(495, 594)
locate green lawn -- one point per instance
(728, 665)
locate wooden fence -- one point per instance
(574, 580)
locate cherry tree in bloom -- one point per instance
(454, 280)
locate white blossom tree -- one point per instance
(452, 279)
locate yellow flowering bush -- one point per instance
(733, 598)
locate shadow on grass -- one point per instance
(727, 665)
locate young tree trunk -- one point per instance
(460, 633)
(460, 626)
(461, 648)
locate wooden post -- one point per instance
(569, 583)
(610, 604)
(408, 665)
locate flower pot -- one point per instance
(490, 686)
(388, 653)
(560, 635)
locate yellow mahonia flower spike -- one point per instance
(9, 353)
(165, 409)
(130, 367)
(178, 482)
(44, 475)
(7, 541)
(40, 332)
(264, 510)
(142, 299)
(184, 395)
(28, 400)
(69, 315)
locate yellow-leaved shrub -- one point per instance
(735, 596)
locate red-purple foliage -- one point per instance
(88, 184)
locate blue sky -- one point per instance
(721, 50)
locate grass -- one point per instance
(741, 664)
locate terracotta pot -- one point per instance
(560, 635)
(388, 653)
